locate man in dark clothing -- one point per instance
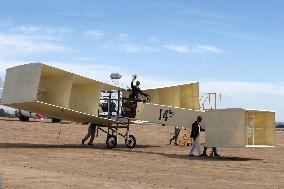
(135, 90)
(91, 133)
(195, 131)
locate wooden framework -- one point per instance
(260, 127)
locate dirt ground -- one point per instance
(34, 155)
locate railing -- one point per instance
(210, 101)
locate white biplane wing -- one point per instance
(53, 92)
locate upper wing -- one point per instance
(183, 95)
(54, 92)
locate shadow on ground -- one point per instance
(207, 158)
(183, 156)
(122, 148)
(62, 146)
(35, 121)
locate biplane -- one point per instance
(44, 89)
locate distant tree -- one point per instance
(2, 112)
(1, 82)
(280, 125)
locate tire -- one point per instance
(111, 141)
(23, 118)
(55, 120)
(131, 142)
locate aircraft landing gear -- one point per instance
(111, 141)
(120, 118)
(131, 142)
(113, 134)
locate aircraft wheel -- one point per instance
(23, 118)
(111, 141)
(131, 143)
(55, 120)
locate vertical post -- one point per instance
(209, 96)
(109, 101)
(108, 125)
(116, 132)
(192, 100)
(97, 131)
(127, 131)
(250, 126)
(117, 113)
(220, 100)
(118, 104)
(253, 128)
(215, 100)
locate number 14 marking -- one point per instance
(166, 114)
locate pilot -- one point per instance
(91, 133)
(135, 90)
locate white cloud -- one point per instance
(43, 30)
(250, 95)
(85, 59)
(153, 39)
(124, 37)
(177, 48)
(25, 29)
(130, 47)
(206, 48)
(58, 30)
(204, 13)
(237, 88)
(195, 49)
(95, 34)
(12, 45)
(26, 40)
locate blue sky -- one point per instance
(231, 47)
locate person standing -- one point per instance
(91, 133)
(176, 134)
(195, 132)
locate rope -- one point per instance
(59, 134)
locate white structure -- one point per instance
(239, 128)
